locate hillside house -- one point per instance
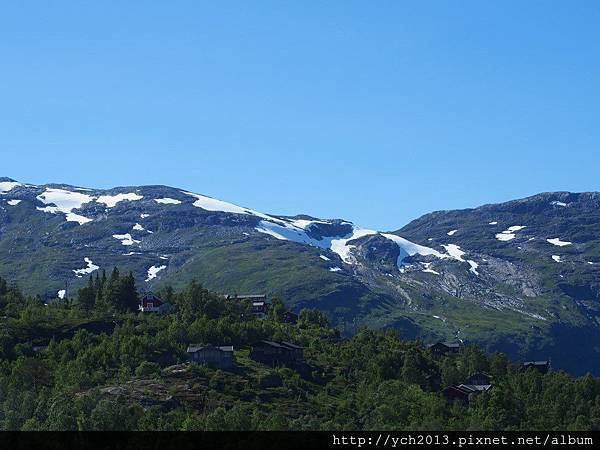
(152, 303)
(479, 379)
(219, 357)
(465, 392)
(444, 348)
(277, 353)
(261, 308)
(541, 366)
(260, 305)
(457, 394)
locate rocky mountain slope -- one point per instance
(522, 277)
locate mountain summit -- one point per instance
(521, 276)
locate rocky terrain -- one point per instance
(522, 276)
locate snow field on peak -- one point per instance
(304, 224)
(167, 201)
(111, 200)
(66, 202)
(6, 186)
(212, 204)
(341, 245)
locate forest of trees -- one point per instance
(92, 362)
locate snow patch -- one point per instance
(6, 186)
(557, 258)
(474, 267)
(516, 228)
(167, 201)
(324, 258)
(341, 247)
(408, 248)
(61, 294)
(335, 269)
(66, 202)
(558, 242)
(13, 202)
(557, 203)
(125, 239)
(304, 224)
(111, 200)
(212, 204)
(86, 270)
(153, 272)
(138, 227)
(509, 233)
(427, 268)
(143, 216)
(454, 251)
(451, 233)
(493, 223)
(505, 236)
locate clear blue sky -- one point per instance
(376, 112)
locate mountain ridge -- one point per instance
(516, 276)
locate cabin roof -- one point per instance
(199, 348)
(283, 344)
(475, 387)
(461, 389)
(290, 345)
(447, 344)
(246, 296)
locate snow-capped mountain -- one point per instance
(520, 276)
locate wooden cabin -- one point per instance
(542, 367)
(153, 303)
(219, 357)
(479, 379)
(277, 353)
(444, 348)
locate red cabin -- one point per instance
(152, 303)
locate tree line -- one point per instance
(94, 363)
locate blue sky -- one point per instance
(376, 112)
